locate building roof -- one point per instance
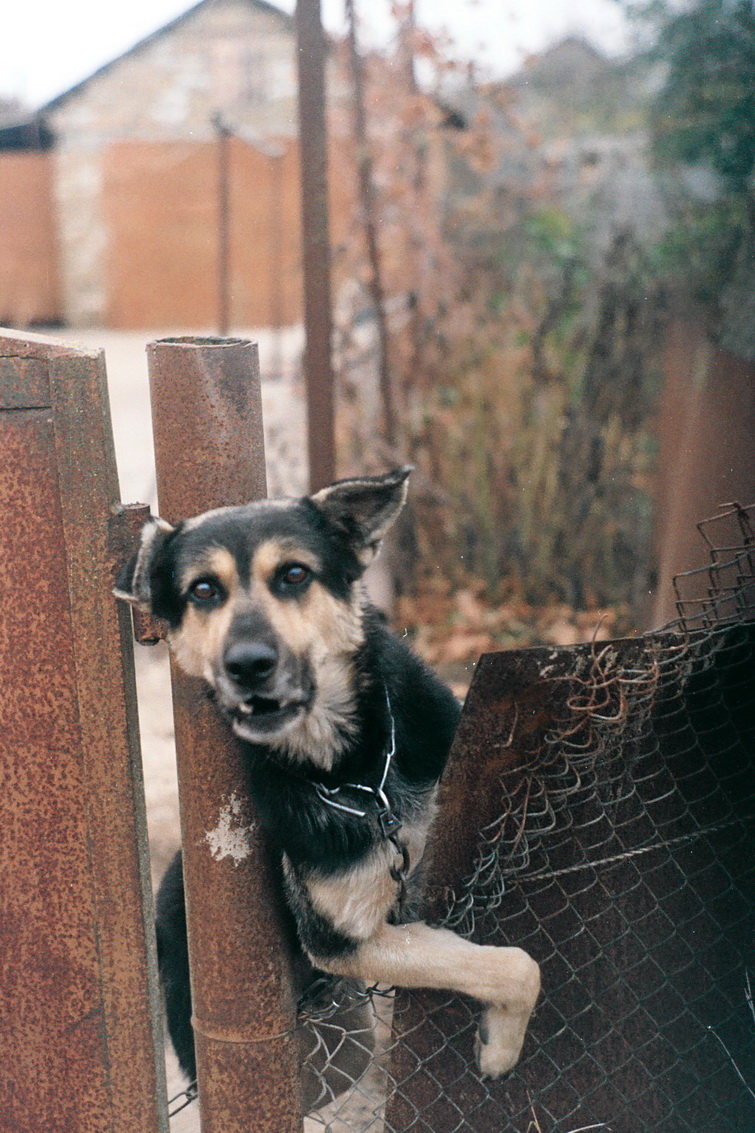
(153, 37)
(21, 128)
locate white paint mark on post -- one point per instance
(231, 837)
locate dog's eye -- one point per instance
(291, 580)
(296, 574)
(204, 590)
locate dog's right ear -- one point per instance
(133, 585)
(365, 508)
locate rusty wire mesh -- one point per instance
(618, 850)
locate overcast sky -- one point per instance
(46, 46)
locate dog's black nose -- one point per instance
(248, 663)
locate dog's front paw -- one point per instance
(498, 1042)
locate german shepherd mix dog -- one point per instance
(346, 733)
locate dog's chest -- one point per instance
(356, 900)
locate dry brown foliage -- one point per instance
(519, 370)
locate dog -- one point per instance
(346, 733)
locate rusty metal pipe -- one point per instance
(223, 135)
(210, 453)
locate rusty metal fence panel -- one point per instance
(80, 1038)
(599, 811)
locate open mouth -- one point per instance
(263, 714)
(260, 706)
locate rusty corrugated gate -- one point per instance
(160, 201)
(29, 245)
(80, 1038)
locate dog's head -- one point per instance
(262, 602)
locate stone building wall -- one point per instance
(233, 57)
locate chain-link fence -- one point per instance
(599, 811)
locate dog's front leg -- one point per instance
(506, 980)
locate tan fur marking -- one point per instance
(317, 619)
(274, 552)
(216, 561)
(416, 955)
(357, 901)
(200, 639)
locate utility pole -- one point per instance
(366, 182)
(318, 314)
(223, 135)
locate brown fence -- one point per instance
(28, 240)
(162, 211)
(598, 810)
(706, 454)
(80, 1036)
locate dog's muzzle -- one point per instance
(261, 692)
(250, 663)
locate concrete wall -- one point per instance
(28, 244)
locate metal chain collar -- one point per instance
(388, 821)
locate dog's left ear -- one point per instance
(134, 584)
(365, 508)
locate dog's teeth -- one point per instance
(246, 709)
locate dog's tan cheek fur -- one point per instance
(318, 627)
(200, 639)
(327, 632)
(316, 622)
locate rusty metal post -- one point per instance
(276, 158)
(369, 217)
(210, 453)
(81, 1044)
(318, 316)
(223, 135)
